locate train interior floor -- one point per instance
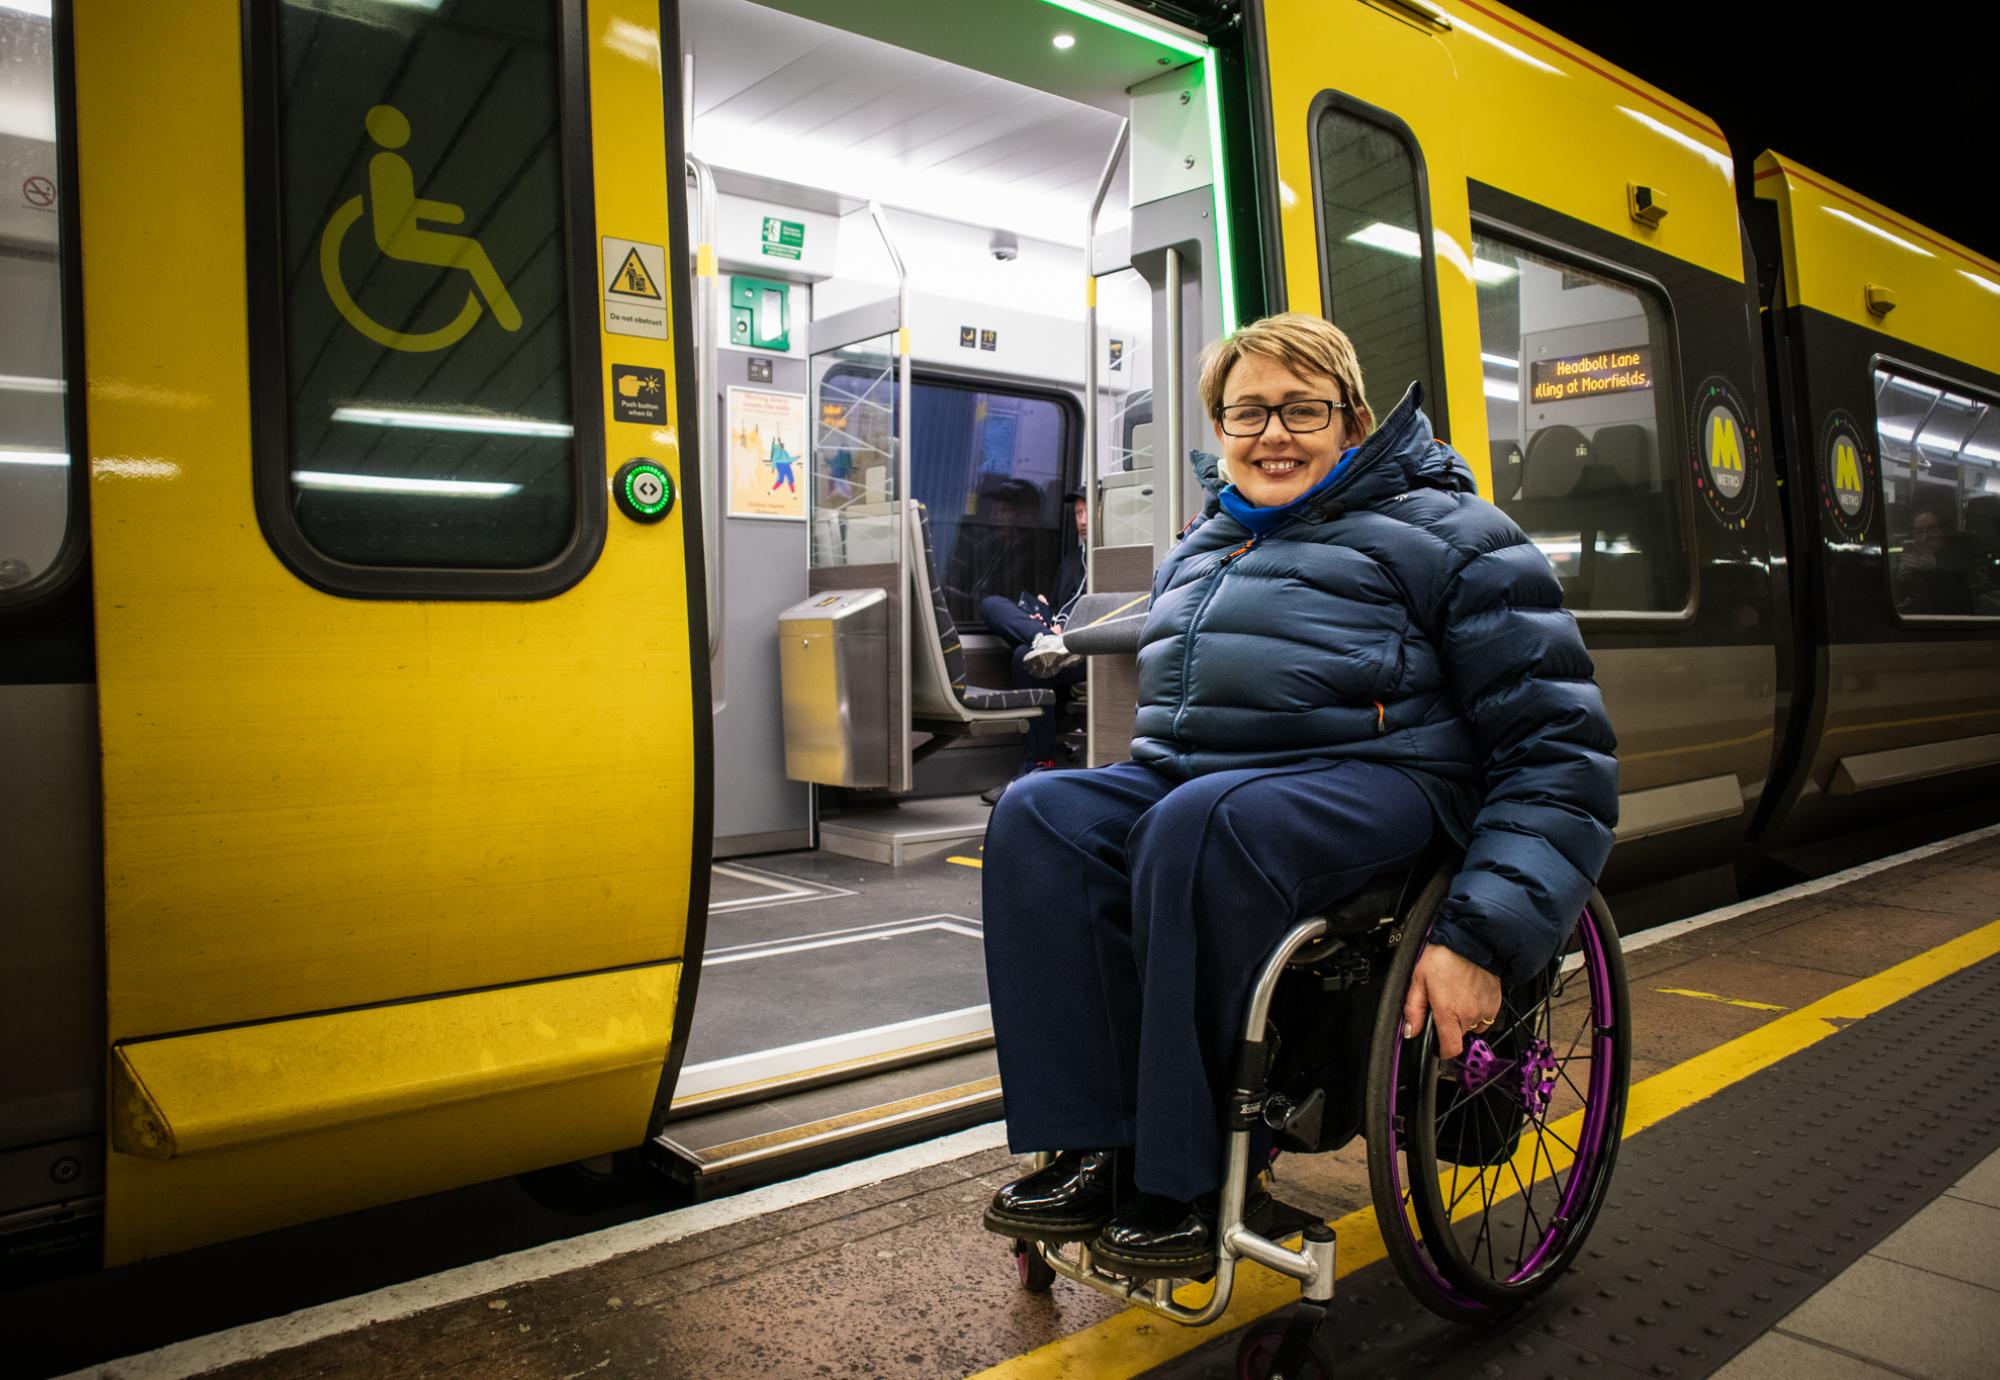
(807, 946)
(1808, 1186)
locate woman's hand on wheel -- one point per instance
(1460, 997)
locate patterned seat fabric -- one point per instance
(973, 696)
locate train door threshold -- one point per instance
(842, 1011)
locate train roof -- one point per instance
(1839, 245)
(1547, 120)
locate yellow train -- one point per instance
(395, 509)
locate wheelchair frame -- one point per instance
(1312, 1266)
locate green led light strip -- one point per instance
(1225, 250)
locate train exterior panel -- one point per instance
(325, 813)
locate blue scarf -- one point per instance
(1264, 521)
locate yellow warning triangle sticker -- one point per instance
(633, 280)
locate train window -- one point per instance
(1376, 267)
(412, 272)
(1580, 412)
(990, 466)
(39, 484)
(1940, 452)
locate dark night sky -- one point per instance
(1896, 101)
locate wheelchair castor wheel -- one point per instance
(1034, 1272)
(1257, 1353)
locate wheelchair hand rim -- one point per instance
(1590, 1166)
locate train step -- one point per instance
(730, 1143)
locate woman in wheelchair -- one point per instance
(1348, 653)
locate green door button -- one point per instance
(644, 490)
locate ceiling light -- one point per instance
(51, 458)
(452, 421)
(1065, 41)
(38, 8)
(397, 484)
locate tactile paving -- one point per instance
(1725, 1217)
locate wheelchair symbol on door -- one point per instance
(396, 215)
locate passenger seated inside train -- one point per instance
(1940, 567)
(1027, 617)
(1351, 654)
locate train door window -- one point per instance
(1584, 427)
(40, 526)
(1940, 451)
(1377, 270)
(416, 274)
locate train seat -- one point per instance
(941, 700)
(1625, 482)
(1553, 465)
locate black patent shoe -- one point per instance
(1156, 1238)
(1070, 1200)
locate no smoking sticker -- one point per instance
(39, 192)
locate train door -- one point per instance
(398, 597)
(52, 980)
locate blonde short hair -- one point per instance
(1302, 343)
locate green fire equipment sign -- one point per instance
(784, 239)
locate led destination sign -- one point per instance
(1590, 376)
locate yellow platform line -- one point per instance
(1715, 997)
(967, 862)
(1133, 1341)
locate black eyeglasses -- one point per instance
(1298, 417)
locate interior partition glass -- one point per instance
(851, 496)
(426, 308)
(1940, 449)
(1581, 415)
(35, 465)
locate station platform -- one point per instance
(1808, 1187)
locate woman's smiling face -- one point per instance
(1274, 467)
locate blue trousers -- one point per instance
(1126, 919)
(1006, 618)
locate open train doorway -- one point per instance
(954, 264)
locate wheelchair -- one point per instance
(1487, 1171)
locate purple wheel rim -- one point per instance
(1594, 1139)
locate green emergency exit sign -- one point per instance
(784, 239)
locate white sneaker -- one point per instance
(1047, 655)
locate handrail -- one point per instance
(709, 454)
(905, 772)
(1090, 341)
(1176, 453)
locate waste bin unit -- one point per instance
(833, 661)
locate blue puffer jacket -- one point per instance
(1402, 619)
